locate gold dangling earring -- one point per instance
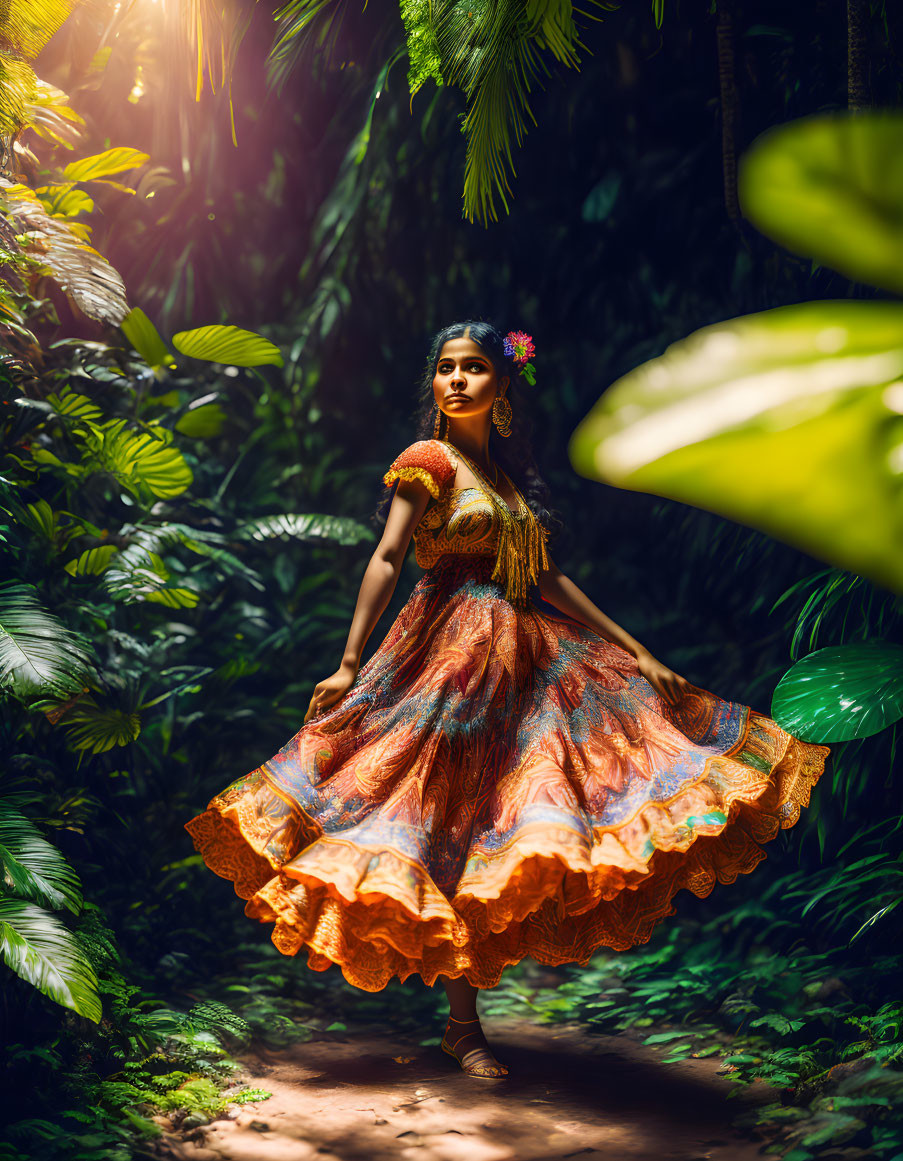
(501, 415)
(437, 425)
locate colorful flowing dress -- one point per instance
(498, 782)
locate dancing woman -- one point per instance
(497, 781)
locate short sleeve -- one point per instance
(426, 461)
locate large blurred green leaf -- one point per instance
(789, 420)
(831, 187)
(32, 867)
(230, 345)
(841, 692)
(37, 946)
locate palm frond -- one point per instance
(341, 529)
(25, 28)
(39, 656)
(303, 26)
(94, 728)
(37, 946)
(88, 279)
(492, 50)
(33, 868)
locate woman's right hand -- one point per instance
(328, 691)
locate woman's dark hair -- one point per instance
(514, 452)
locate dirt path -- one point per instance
(371, 1098)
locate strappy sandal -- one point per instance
(489, 1069)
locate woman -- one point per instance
(496, 781)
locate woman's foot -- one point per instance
(464, 1040)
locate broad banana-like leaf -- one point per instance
(105, 164)
(142, 461)
(830, 187)
(37, 946)
(788, 420)
(34, 868)
(230, 345)
(841, 692)
(145, 338)
(297, 526)
(202, 422)
(84, 274)
(97, 728)
(39, 656)
(92, 562)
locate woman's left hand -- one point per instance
(665, 681)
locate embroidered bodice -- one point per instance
(472, 520)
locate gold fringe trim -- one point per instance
(420, 474)
(521, 555)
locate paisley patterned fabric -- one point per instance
(498, 782)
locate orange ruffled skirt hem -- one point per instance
(498, 783)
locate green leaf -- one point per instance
(64, 201)
(174, 598)
(665, 1037)
(202, 422)
(74, 406)
(230, 345)
(32, 867)
(105, 164)
(99, 728)
(37, 946)
(39, 656)
(296, 526)
(841, 692)
(82, 272)
(787, 420)
(144, 337)
(145, 462)
(830, 187)
(92, 562)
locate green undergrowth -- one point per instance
(170, 1042)
(90, 1091)
(823, 1027)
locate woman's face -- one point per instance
(465, 382)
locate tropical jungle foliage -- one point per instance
(225, 238)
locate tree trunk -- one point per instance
(858, 12)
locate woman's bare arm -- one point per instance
(381, 575)
(561, 592)
(377, 586)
